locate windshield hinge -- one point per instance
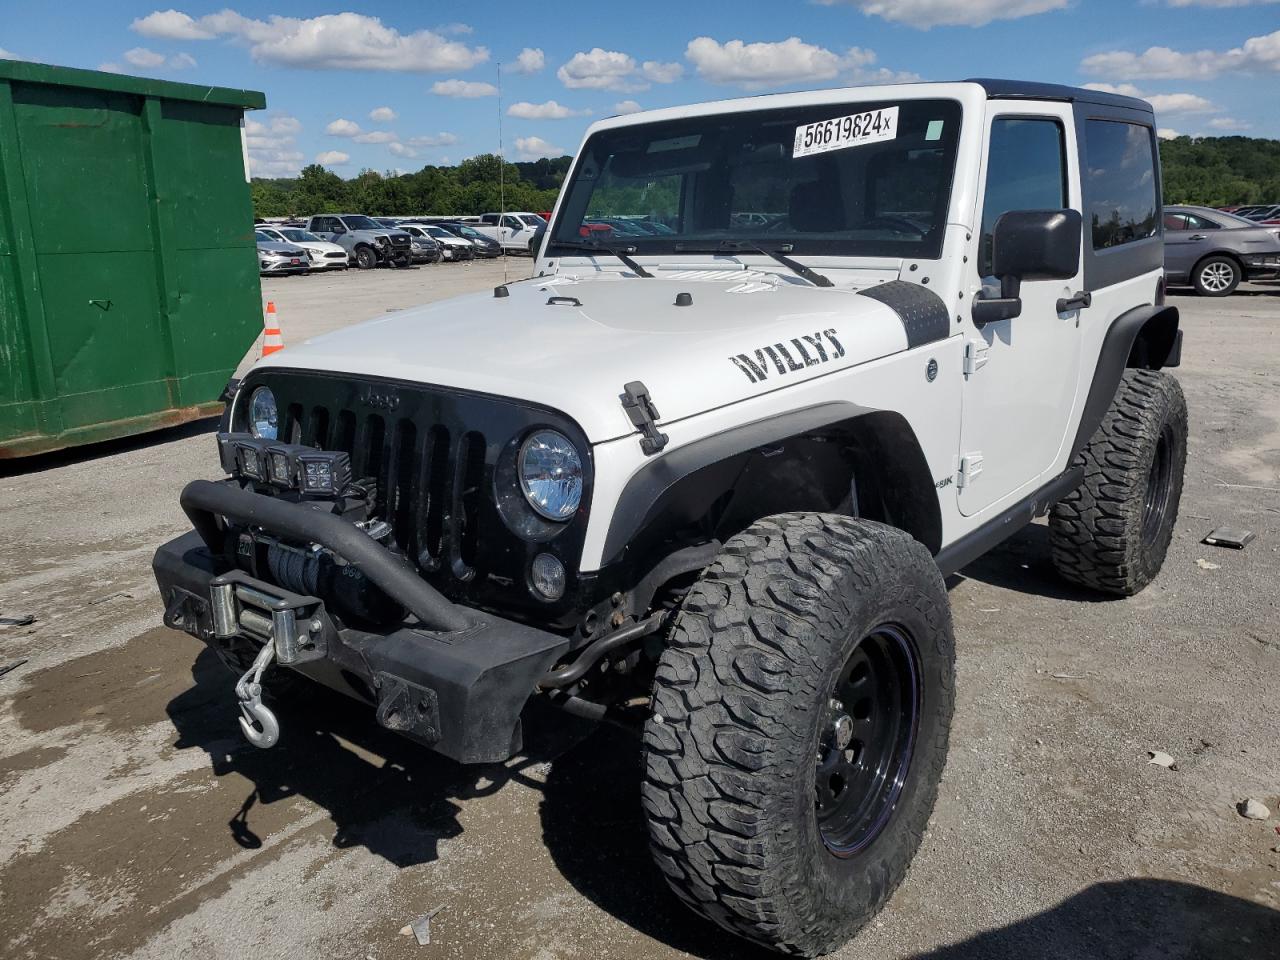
(975, 356)
(635, 400)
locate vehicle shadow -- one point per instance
(1131, 920)
(382, 791)
(398, 800)
(1023, 563)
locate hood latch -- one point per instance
(635, 400)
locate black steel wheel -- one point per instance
(799, 729)
(865, 751)
(1113, 531)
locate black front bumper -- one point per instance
(451, 677)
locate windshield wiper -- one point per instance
(620, 253)
(751, 246)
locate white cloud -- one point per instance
(754, 66)
(456, 29)
(401, 150)
(627, 106)
(171, 25)
(376, 136)
(338, 41)
(383, 115)
(146, 59)
(544, 111)
(1167, 133)
(1255, 54)
(8, 55)
(528, 60)
(104, 67)
(332, 158)
(1160, 102)
(535, 148)
(465, 89)
(274, 163)
(283, 123)
(442, 139)
(661, 72)
(342, 128)
(923, 14)
(272, 149)
(1229, 123)
(599, 69)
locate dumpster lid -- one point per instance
(27, 72)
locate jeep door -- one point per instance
(1019, 396)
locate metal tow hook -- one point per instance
(249, 690)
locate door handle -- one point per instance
(1197, 236)
(1076, 302)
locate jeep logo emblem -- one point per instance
(380, 401)
(799, 353)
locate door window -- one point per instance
(1026, 170)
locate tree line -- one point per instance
(1213, 171)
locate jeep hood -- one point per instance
(571, 344)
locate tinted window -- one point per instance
(1026, 170)
(1120, 182)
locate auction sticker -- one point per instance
(851, 131)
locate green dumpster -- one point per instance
(128, 271)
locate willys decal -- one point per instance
(799, 353)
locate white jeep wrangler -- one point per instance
(786, 363)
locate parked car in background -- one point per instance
(275, 256)
(513, 230)
(484, 247)
(452, 246)
(324, 255)
(1262, 213)
(424, 249)
(1213, 251)
(367, 242)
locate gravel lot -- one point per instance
(135, 821)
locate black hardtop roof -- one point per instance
(1031, 90)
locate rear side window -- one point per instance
(1121, 182)
(1026, 170)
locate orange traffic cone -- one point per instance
(271, 339)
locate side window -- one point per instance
(489, 218)
(512, 223)
(1200, 223)
(1026, 170)
(1120, 183)
(1175, 221)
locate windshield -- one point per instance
(860, 179)
(440, 232)
(361, 223)
(466, 232)
(264, 237)
(300, 236)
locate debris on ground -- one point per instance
(421, 927)
(1233, 537)
(112, 596)
(1204, 564)
(1069, 676)
(1252, 809)
(1161, 760)
(18, 620)
(12, 666)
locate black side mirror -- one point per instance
(1029, 245)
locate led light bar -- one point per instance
(289, 466)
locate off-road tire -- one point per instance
(366, 257)
(1216, 277)
(739, 708)
(1109, 533)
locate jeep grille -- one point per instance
(437, 457)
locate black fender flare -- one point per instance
(646, 492)
(1145, 337)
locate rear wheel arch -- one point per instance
(832, 457)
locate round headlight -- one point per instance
(264, 421)
(551, 475)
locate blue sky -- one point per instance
(393, 86)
